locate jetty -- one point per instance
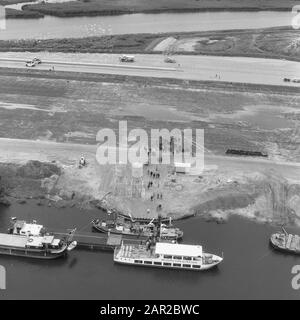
(101, 242)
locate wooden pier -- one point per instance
(101, 241)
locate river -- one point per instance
(251, 269)
(77, 27)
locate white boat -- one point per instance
(166, 255)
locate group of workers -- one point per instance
(154, 181)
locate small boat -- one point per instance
(286, 242)
(137, 229)
(32, 241)
(166, 255)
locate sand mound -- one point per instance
(165, 44)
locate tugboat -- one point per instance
(137, 229)
(286, 242)
(166, 255)
(32, 241)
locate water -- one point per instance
(52, 27)
(251, 269)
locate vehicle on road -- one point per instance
(37, 60)
(169, 60)
(246, 153)
(125, 58)
(82, 162)
(30, 64)
(295, 80)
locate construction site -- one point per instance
(60, 114)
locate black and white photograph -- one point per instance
(149, 153)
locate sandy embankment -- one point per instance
(216, 194)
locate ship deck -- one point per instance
(135, 252)
(10, 240)
(293, 242)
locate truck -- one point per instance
(169, 60)
(126, 58)
(30, 64)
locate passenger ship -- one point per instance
(166, 255)
(32, 241)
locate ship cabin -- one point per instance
(45, 242)
(178, 255)
(165, 255)
(27, 229)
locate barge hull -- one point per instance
(127, 235)
(28, 254)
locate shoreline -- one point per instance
(20, 14)
(61, 184)
(123, 7)
(64, 200)
(247, 43)
(115, 12)
(31, 13)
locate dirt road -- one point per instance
(20, 151)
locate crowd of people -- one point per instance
(154, 183)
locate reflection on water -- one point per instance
(77, 27)
(251, 269)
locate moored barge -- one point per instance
(30, 240)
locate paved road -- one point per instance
(20, 151)
(229, 69)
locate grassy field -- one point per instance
(18, 14)
(8, 2)
(108, 7)
(268, 43)
(25, 14)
